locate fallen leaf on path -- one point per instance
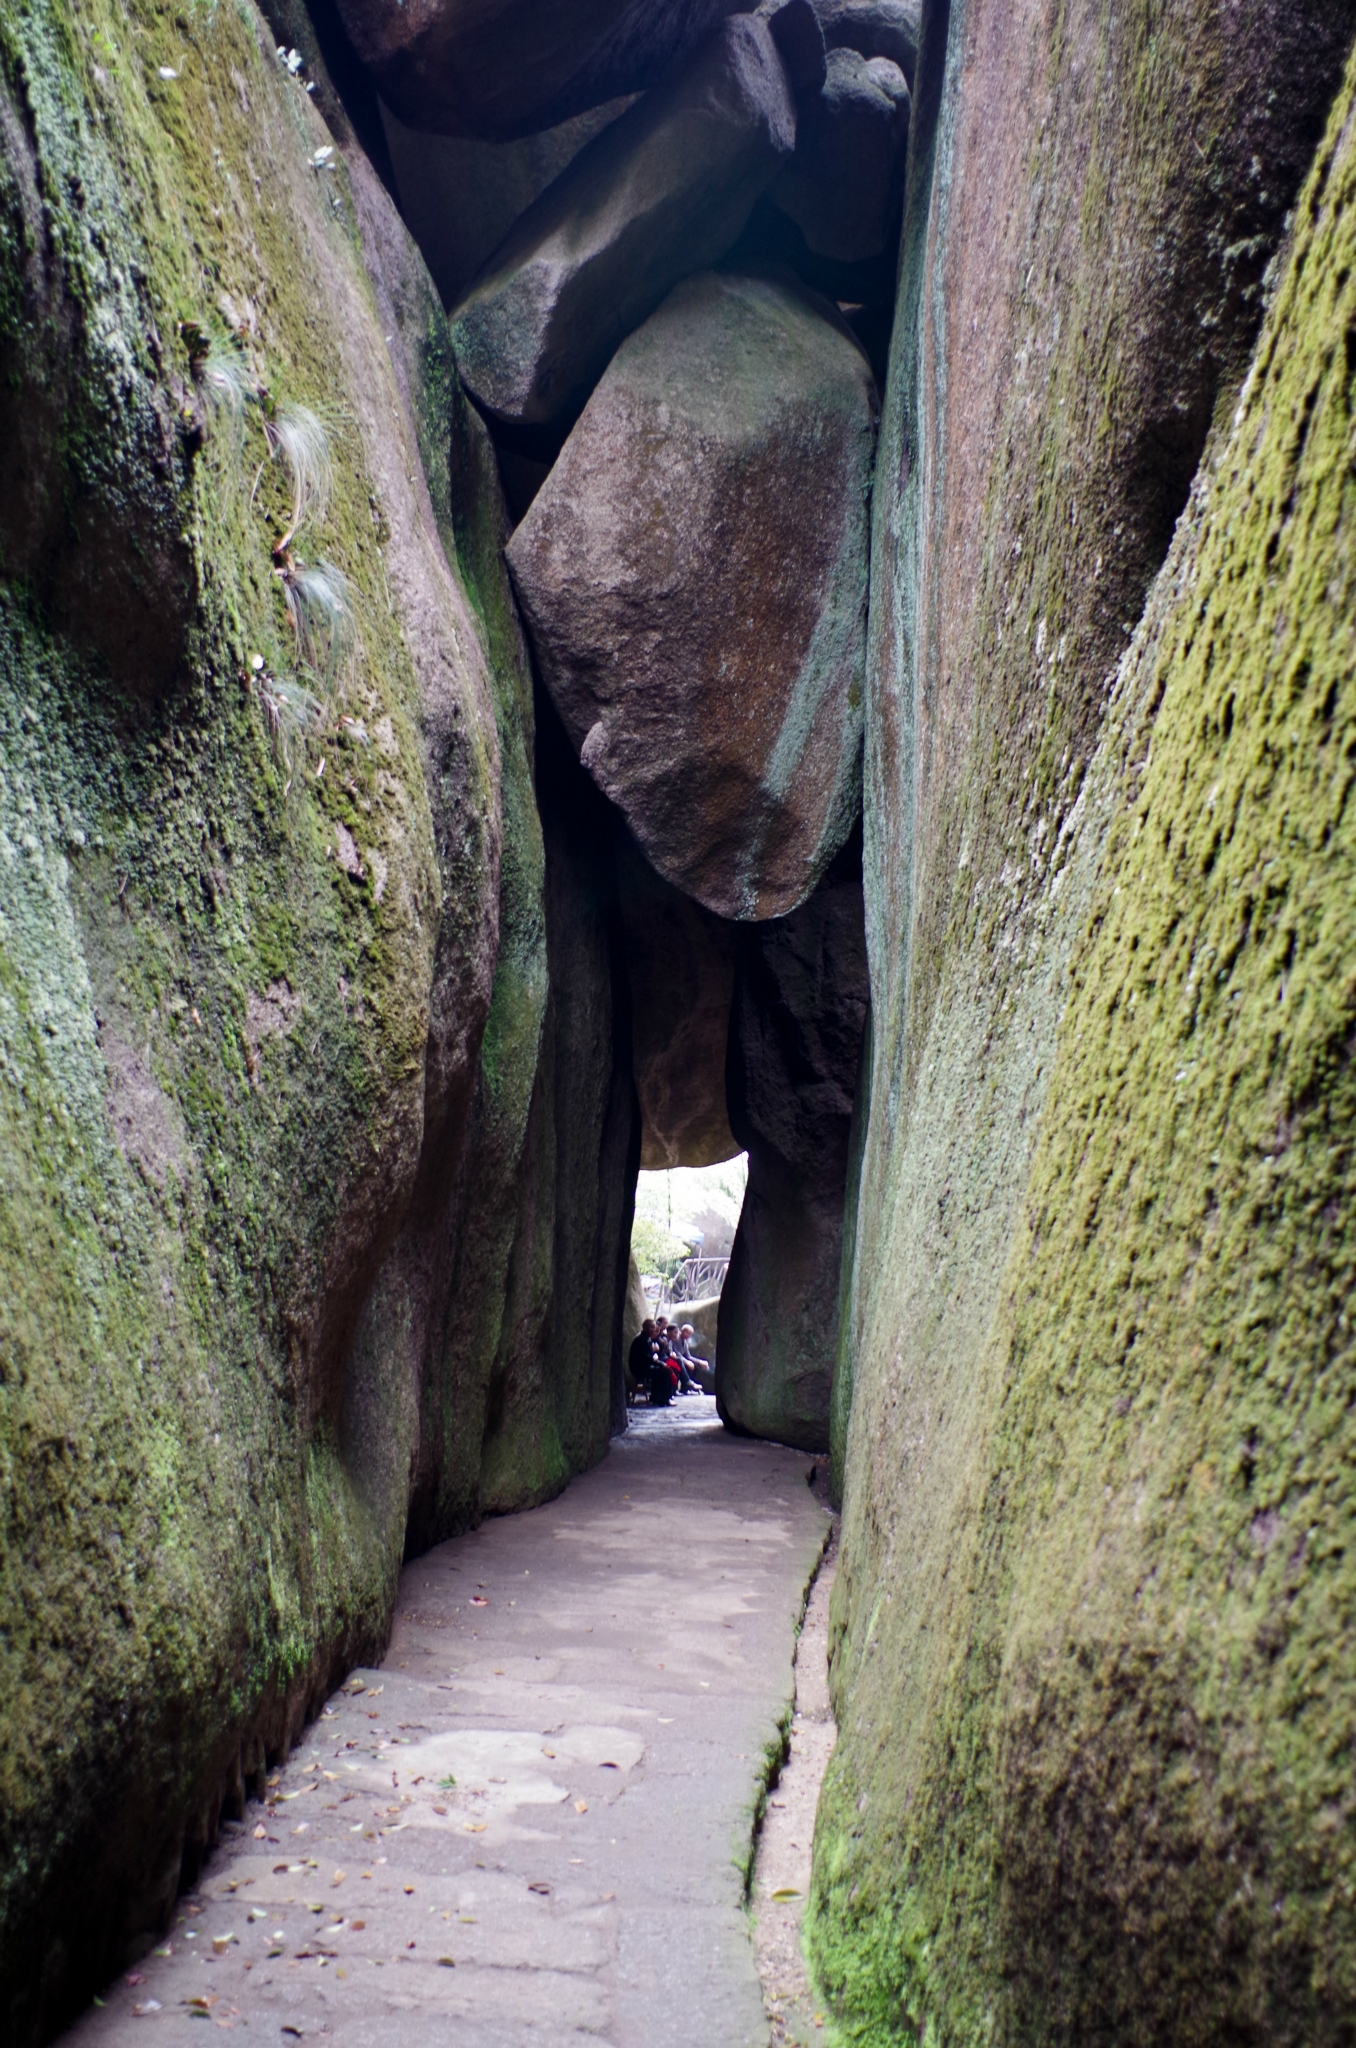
(135, 1977)
(606, 1898)
(409, 1891)
(786, 1891)
(441, 1811)
(447, 1962)
(475, 1827)
(140, 2012)
(338, 1877)
(356, 1926)
(260, 1832)
(581, 1806)
(543, 1888)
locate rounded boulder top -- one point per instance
(694, 575)
(504, 68)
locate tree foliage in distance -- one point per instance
(655, 1250)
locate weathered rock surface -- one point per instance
(772, 242)
(1084, 1787)
(250, 941)
(505, 68)
(663, 192)
(693, 575)
(680, 968)
(460, 197)
(635, 1308)
(256, 996)
(844, 185)
(874, 28)
(795, 1057)
(704, 1317)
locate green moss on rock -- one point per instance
(1086, 1787)
(221, 956)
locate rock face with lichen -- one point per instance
(1093, 1625)
(276, 960)
(693, 573)
(799, 1013)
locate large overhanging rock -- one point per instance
(503, 68)
(665, 191)
(460, 197)
(844, 185)
(693, 574)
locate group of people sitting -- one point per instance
(662, 1363)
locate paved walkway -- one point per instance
(526, 1827)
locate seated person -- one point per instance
(666, 1355)
(639, 1359)
(702, 1375)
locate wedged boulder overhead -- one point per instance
(663, 192)
(844, 185)
(505, 68)
(460, 197)
(874, 28)
(772, 241)
(680, 967)
(801, 998)
(1083, 1787)
(693, 574)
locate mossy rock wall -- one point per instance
(273, 1002)
(1092, 1629)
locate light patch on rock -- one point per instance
(146, 1123)
(348, 856)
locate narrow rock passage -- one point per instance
(529, 1823)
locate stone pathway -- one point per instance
(529, 1826)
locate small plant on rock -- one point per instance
(222, 380)
(298, 439)
(320, 608)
